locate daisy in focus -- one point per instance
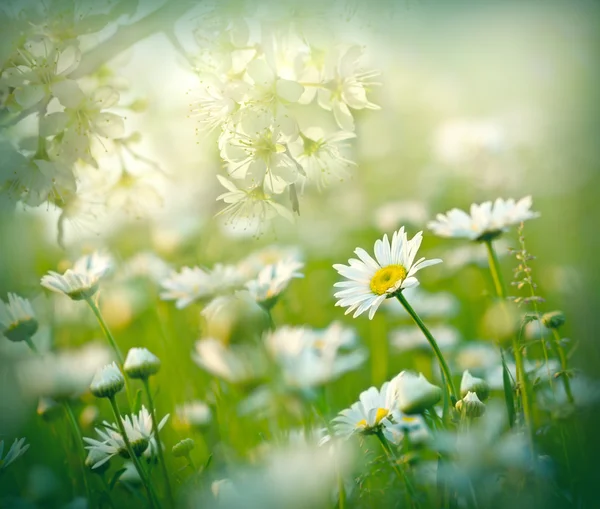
(371, 281)
(80, 282)
(485, 221)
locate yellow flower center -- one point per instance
(381, 414)
(387, 278)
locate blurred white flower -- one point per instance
(273, 280)
(470, 383)
(414, 393)
(460, 140)
(346, 85)
(257, 154)
(66, 373)
(248, 206)
(234, 364)
(322, 156)
(17, 319)
(146, 264)
(401, 425)
(470, 405)
(193, 413)
(476, 356)
(370, 282)
(410, 338)
(392, 215)
(190, 284)
(81, 281)
(17, 449)
(427, 305)
(270, 255)
(485, 221)
(310, 358)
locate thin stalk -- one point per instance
(161, 457)
(79, 440)
(410, 491)
(449, 385)
(106, 330)
(190, 462)
(113, 343)
(32, 346)
(563, 365)
(341, 491)
(134, 458)
(520, 365)
(107, 490)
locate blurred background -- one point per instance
(478, 100)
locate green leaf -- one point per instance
(115, 478)
(508, 394)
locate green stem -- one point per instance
(113, 344)
(80, 446)
(410, 491)
(495, 270)
(134, 458)
(106, 330)
(563, 366)
(341, 491)
(161, 457)
(190, 462)
(32, 346)
(520, 365)
(107, 491)
(449, 385)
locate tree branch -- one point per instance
(127, 35)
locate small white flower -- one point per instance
(192, 284)
(235, 364)
(141, 363)
(273, 280)
(270, 255)
(346, 86)
(17, 449)
(322, 156)
(415, 393)
(63, 374)
(139, 432)
(248, 206)
(368, 414)
(371, 281)
(17, 319)
(310, 358)
(80, 282)
(107, 381)
(485, 221)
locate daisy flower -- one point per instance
(369, 413)
(80, 282)
(371, 281)
(273, 280)
(17, 319)
(485, 221)
(194, 283)
(139, 432)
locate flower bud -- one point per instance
(471, 383)
(107, 382)
(470, 405)
(17, 319)
(183, 448)
(141, 363)
(415, 393)
(553, 319)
